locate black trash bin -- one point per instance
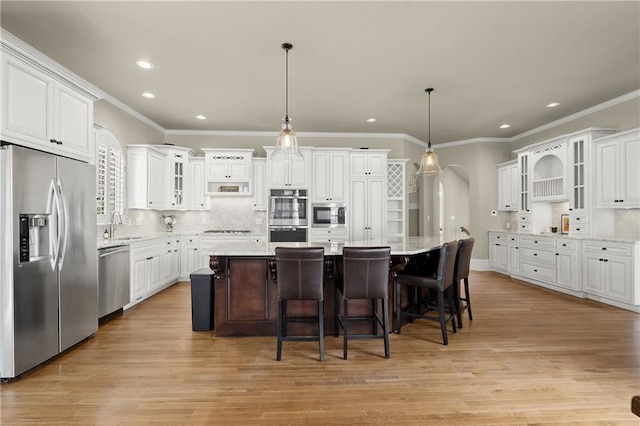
(202, 300)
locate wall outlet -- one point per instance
(453, 218)
(494, 213)
(508, 225)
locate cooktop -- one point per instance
(227, 231)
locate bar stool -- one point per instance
(440, 281)
(300, 277)
(463, 261)
(365, 276)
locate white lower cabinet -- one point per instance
(609, 271)
(498, 251)
(191, 259)
(154, 265)
(513, 263)
(145, 273)
(602, 270)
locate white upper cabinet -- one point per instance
(196, 198)
(549, 171)
(290, 174)
(508, 188)
(368, 163)
(228, 172)
(177, 162)
(42, 111)
(146, 178)
(260, 184)
(330, 175)
(617, 160)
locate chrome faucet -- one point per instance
(112, 226)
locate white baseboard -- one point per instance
(479, 265)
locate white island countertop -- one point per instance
(407, 246)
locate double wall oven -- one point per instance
(288, 215)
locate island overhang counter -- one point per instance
(245, 283)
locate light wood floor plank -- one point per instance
(531, 356)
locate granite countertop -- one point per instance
(575, 237)
(127, 240)
(406, 246)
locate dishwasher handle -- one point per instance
(114, 250)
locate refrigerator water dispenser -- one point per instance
(34, 237)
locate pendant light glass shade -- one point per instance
(429, 163)
(287, 143)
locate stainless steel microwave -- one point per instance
(329, 215)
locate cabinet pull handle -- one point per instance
(535, 254)
(557, 254)
(604, 248)
(564, 245)
(535, 270)
(605, 260)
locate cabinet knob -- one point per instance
(604, 248)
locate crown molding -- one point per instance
(45, 64)
(604, 105)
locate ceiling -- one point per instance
(489, 62)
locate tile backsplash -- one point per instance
(628, 223)
(225, 214)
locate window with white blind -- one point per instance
(109, 176)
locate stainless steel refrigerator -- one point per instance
(48, 257)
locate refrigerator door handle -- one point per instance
(65, 224)
(53, 209)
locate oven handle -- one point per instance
(286, 228)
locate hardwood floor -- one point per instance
(529, 356)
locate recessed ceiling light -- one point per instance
(148, 95)
(505, 126)
(145, 64)
(371, 120)
(553, 104)
(201, 117)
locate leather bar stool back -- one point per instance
(300, 277)
(463, 262)
(365, 275)
(440, 281)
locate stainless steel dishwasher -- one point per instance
(113, 279)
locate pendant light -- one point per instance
(429, 162)
(287, 144)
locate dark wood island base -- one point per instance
(246, 291)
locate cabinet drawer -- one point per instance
(578, 219)
(534, 241)
(143, 248)
(542, 273)
(497, 237)
(524, 227)
(565, 244)
(616, 249)
(538, 256)
(190, 240)
(580, 229)
(524, 217)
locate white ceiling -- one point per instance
(489, 62)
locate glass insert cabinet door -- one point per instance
(178, 183)
(578, 187)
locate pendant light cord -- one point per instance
(286, 47)
(429, 90)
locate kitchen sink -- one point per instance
(127, 238)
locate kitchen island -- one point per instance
(245, 282)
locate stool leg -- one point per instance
(345, 326)
(443, 324)
(280, 321)
(336, 304)
(466, 294)
(396, 297)
(452, 308)
(321, 327)
(374, 313)
(456, 296)
(385, 326)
